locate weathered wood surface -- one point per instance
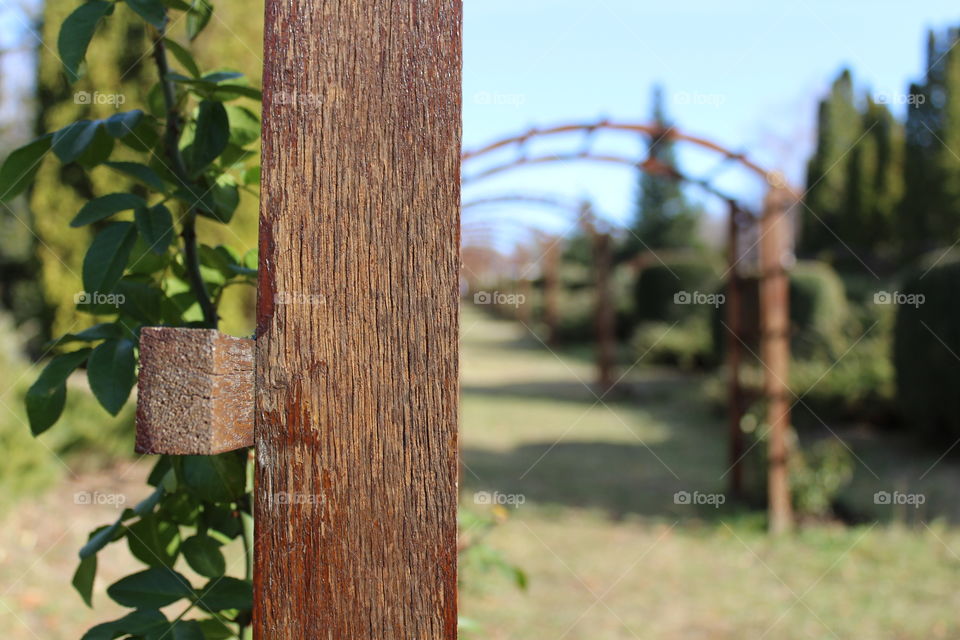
(775, 351)
(605, 319)
(734, 335)
(194, 393)
(356, 364)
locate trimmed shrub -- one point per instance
(926, 351)
(658, 284)
(819, 313)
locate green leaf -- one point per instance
(76, 33)
(226, 92)
(225, 196)
(149, 624)
(183, 56)
(98, 151)
(100, 331)
(111, 373)
(226, 593)
(198, 17)
(71, 141)
(216, 77)
(83, 578)
(105, 206)
(140, 172)
(46, 397)
(214, 478)
(187, 630)
(152, 11)
(216, 629)
(155, 225)
(211, 136)
(142, 301)
(204, 556)
(107, 256)
(21, 166)
(153, 541)
(122, 124)
(244, 125)
(150, 589)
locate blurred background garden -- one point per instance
(601, 496)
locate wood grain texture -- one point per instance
(775, 352)
(733, 313)
(194, 393)
(356, 363)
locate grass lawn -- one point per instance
(609, 554)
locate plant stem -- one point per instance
(172, 140)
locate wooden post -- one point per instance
(551, 290)
(521, 264)
(605, 316)
(356, 358)
(733, 311)
(775, 351)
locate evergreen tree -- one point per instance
(838, 127)
(929, 215)
(663, 218)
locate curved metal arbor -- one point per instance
(773, 244)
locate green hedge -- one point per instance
(659, 282)
(927, 351)
(819, 313)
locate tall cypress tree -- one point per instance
(838, 127)
(663, 218)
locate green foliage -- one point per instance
(820, 316)
(818, 471)
(686, 344)
(168, 169)
(926, 346)
(854, 179)
(661, 280)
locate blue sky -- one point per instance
(745, 73)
